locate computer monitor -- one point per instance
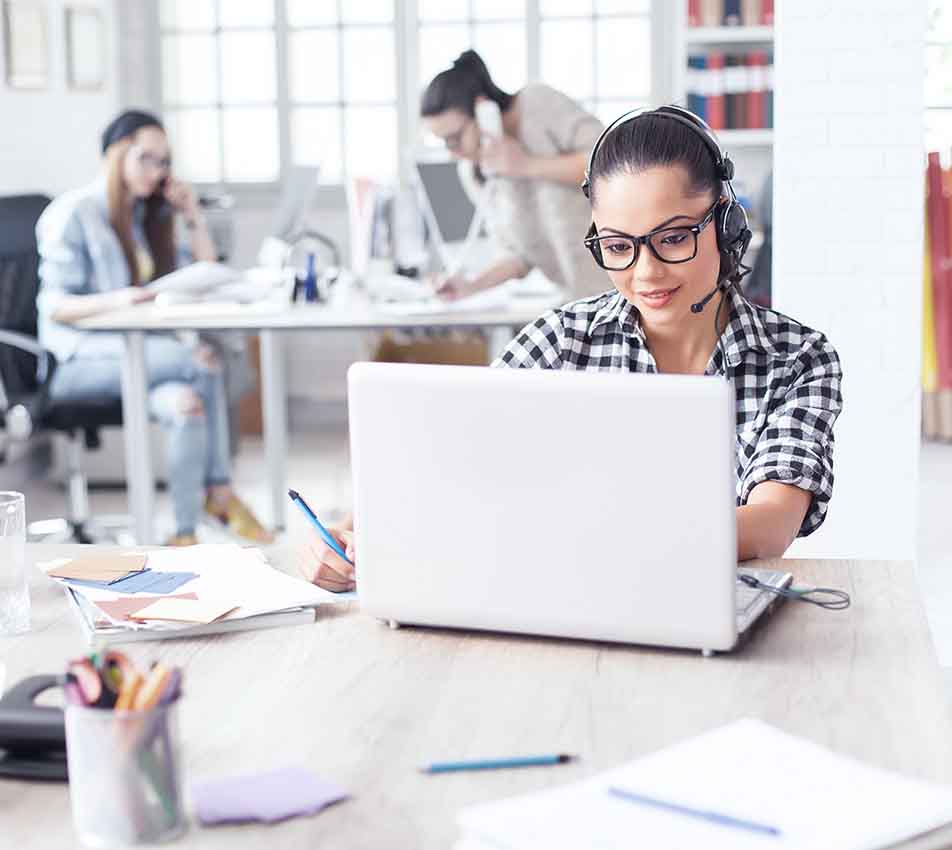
(447, 206)
(296, 194)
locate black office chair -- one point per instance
(25, 405)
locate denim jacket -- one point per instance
(80, 254)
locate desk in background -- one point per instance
(356, 314)
(365, 706)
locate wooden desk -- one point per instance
(364, 706)
(353, 313)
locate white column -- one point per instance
(848, 225)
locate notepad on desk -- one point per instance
(712, 789)
(228, 588)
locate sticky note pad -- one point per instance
(103, 567)
(272, 796)
(184, 610)
(124, 608)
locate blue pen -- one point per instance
(325, 534)
(494, 764)
(701, 814)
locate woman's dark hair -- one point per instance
(459, 86)
(652, 140)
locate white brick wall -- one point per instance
(848, 224)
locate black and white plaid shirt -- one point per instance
(786, 377)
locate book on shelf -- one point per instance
(730, 13)
(731, 91)
(937, 303)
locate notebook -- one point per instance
(747, 770)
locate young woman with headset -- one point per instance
(669, 233)
(522, 155)
(98, 245)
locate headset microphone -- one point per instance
(700, 305)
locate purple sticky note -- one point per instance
(272, 796)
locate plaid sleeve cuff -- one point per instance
(799, 464)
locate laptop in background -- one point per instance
(574, 504)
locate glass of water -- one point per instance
(14, 585)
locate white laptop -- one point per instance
(572, 504)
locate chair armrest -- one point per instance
(21, 417)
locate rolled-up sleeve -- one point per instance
(796, 445)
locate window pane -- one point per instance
(248, 67)
(443, 10)
(370, 67)
(251, 145)
(316, 139)
(314, 70)
(196, 143)
(187, 14)
(565, 8)
(939, 75)
(566, 48)
(623, 7)
(439, 46)
(940, 21)
(246, 13)
(503, 48)
(189, 69)
(309, 13)
(939, 131)
(367, 11)
(499, 10)
(624, 58)
(608, 110)
(371, 136)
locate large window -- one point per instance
(252, 87)
(939, 78)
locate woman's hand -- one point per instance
(506, 157)
(182, 196)
(453, 287)
(129, 296)
(321, 565)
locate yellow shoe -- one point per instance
(182, 540)
(239, 519)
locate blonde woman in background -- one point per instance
(98, 245)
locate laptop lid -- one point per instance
(577, 504)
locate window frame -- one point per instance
(406, 25)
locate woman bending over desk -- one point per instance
(97, 246)
(668, 232)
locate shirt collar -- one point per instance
(745, 329)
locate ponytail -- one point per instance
(459, 86)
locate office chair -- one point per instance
(26, 409)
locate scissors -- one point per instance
(96, 681)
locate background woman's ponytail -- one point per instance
(459, 86)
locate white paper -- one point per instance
(748, 770)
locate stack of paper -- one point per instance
(183, 592)
(712, 792)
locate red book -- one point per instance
(757, 113)
(937, 207)
(694, 13)
(716, 111)
(766, 13)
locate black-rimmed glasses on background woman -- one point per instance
(617, 252)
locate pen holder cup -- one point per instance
(124, 780)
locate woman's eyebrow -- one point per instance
(664, 223)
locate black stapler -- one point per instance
(32, 737)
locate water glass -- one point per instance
(14, 584)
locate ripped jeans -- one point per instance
(196, 428)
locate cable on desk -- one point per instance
(823, 597)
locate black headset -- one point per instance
(730, 218)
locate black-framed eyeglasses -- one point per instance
(617, 252)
